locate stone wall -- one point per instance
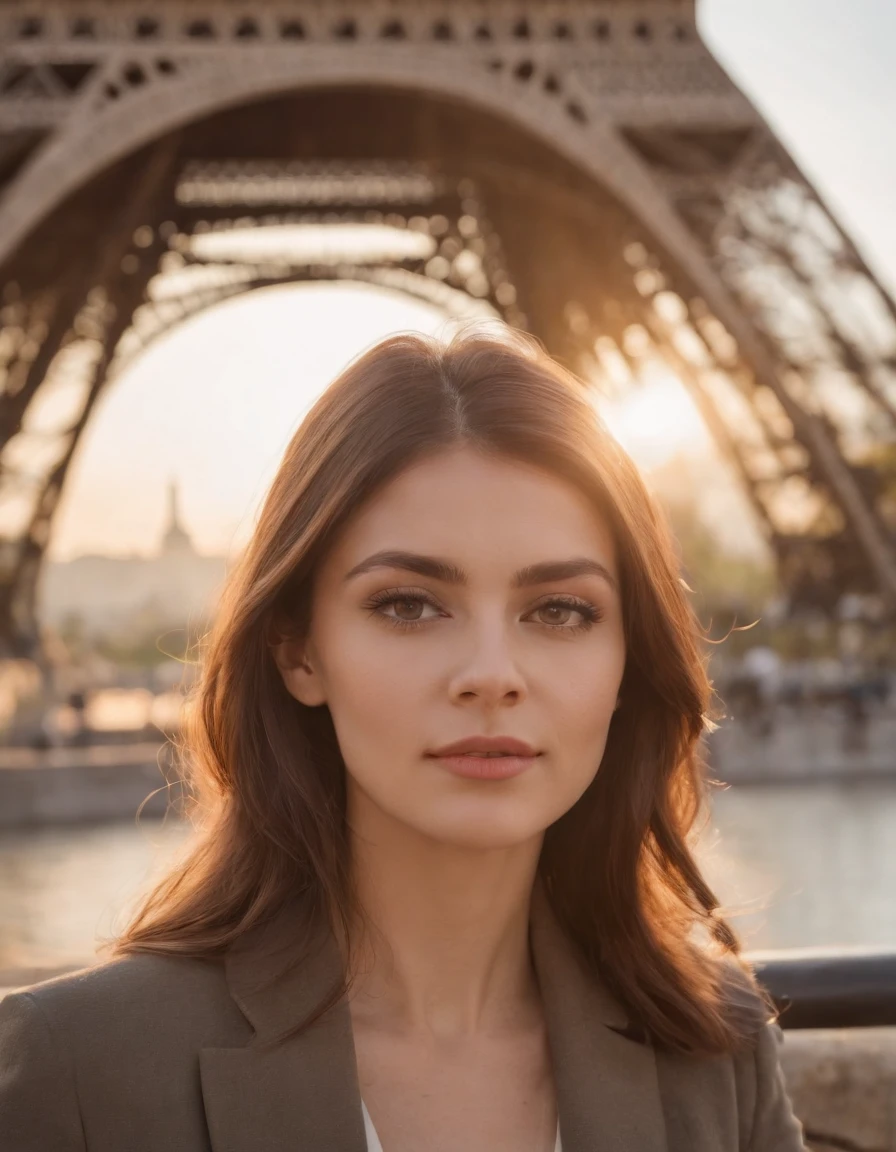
(109, 782)
(74, 785)
(814, 742)
(843, 1087)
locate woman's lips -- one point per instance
(486, 767)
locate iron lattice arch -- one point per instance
(584, 170)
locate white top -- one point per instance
(373, 1141)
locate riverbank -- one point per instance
(74, 785)
(85, 785)
(792, 745)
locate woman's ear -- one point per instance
(300, 679)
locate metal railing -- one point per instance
(826, 988)
(811, 987)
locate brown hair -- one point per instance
(267, 777)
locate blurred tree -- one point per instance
(731, 588)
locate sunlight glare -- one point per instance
(655, 419)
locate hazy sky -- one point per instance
(822, 72)
(214, 402)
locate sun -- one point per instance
(656, 419)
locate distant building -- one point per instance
(172, 588)
(176, 541)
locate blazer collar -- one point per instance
(304, 1093)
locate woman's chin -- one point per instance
(485, 826)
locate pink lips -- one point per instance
(516, 757)
(506, 744)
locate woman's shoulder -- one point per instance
(730, 1072)
(122, 976)
(141, 993)
(108, 1055)
(746, 1083)
(743, 999)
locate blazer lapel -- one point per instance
(608, 1094)
(302, 1093)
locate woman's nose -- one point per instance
(490, 669)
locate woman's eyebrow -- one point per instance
(546, 572)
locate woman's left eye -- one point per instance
(590, 615)
(588, 612)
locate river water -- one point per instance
(797, 866)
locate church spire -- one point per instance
(176, 538)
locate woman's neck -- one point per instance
(446, 949)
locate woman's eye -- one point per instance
(408, 608)
(559, 615)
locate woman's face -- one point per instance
(408, 662)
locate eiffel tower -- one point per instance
(584, 169)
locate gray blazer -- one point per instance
(158, 1054)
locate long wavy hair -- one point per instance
(264, 773)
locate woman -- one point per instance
(445, 758)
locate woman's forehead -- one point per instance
(478, 511)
